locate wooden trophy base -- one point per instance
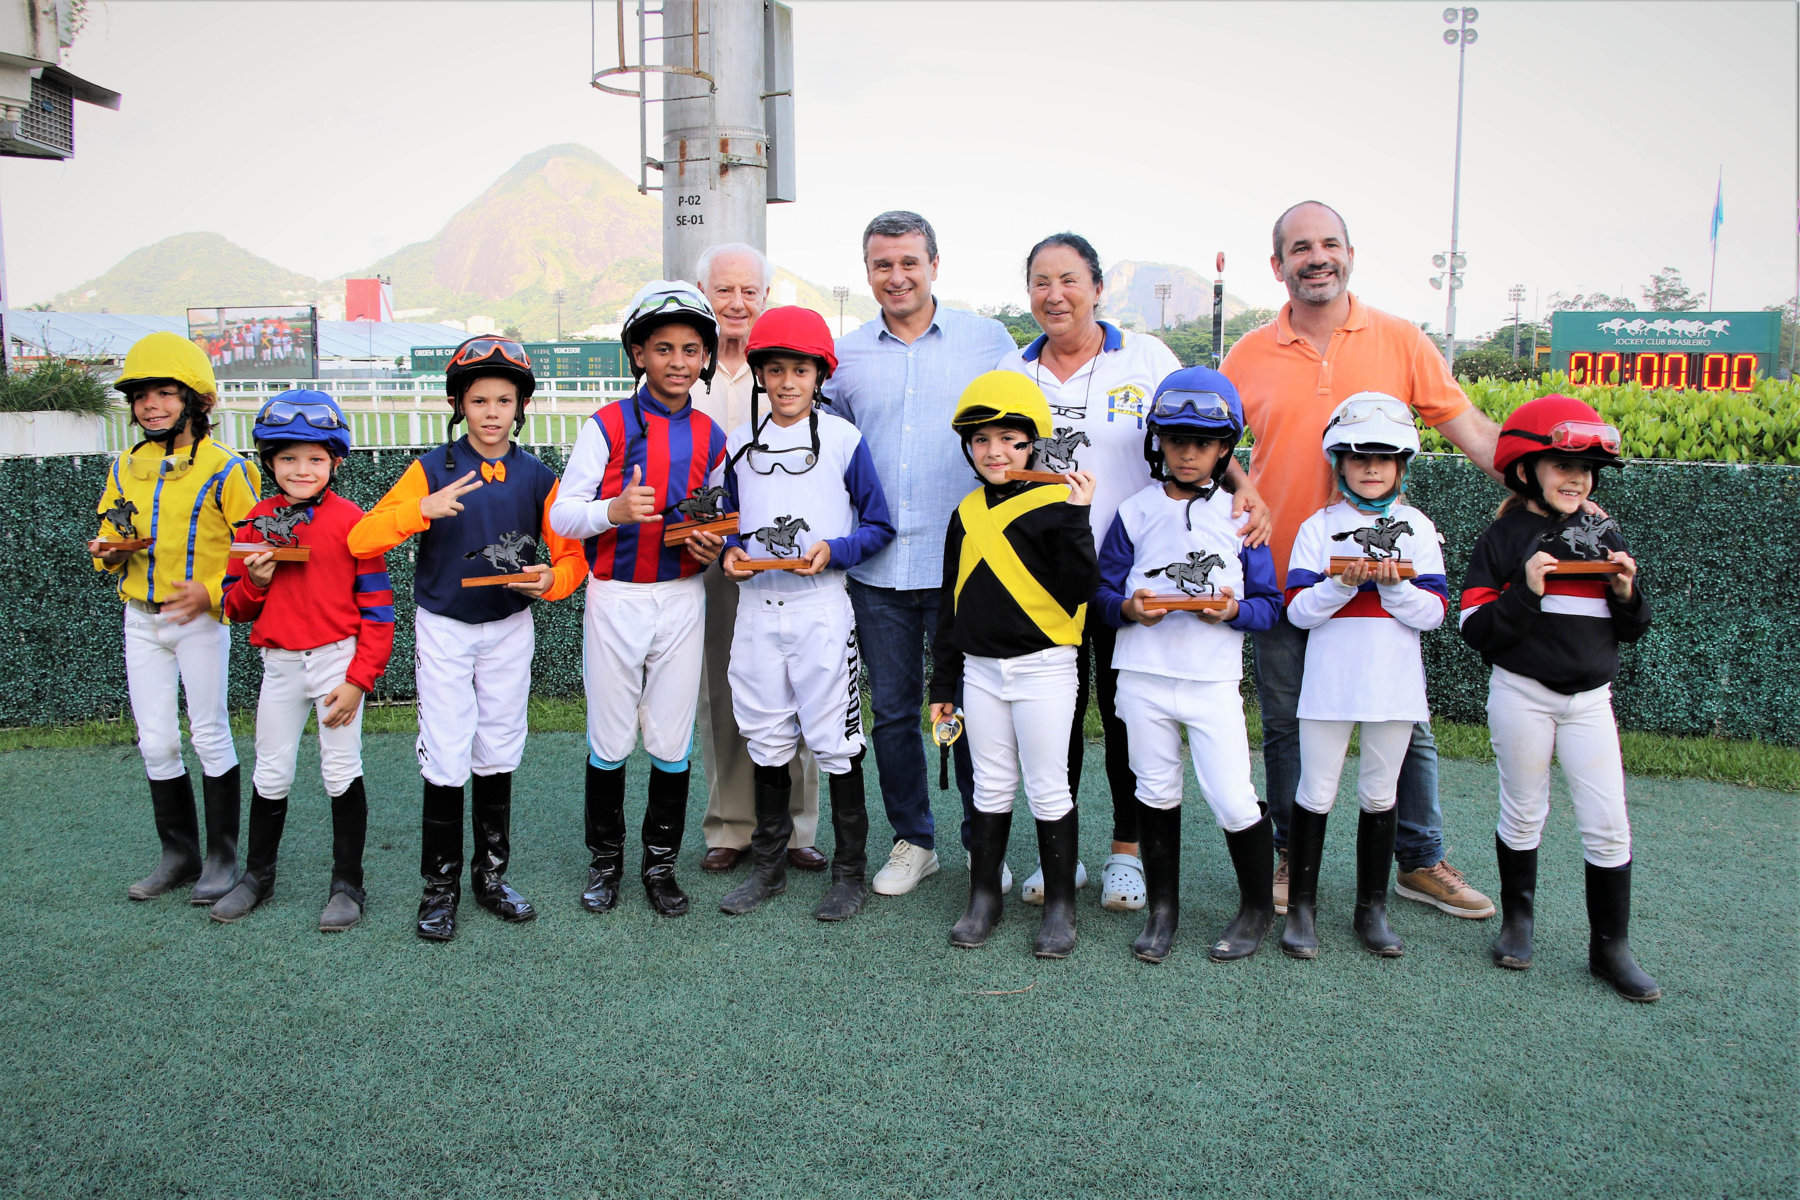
(674, 535)
(241, 550)
(1573, 569)
(1036, 477)
(132, 545)
(1176, 602)
(769, 564)
(1343, 562)
(497, 580)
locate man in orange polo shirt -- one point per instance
(1323, 347)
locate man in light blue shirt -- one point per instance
(898, 380)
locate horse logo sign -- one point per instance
(512, 553)
(1380, 540)
(702, 504)
(1583, 537)
(1058, 450)
(1193, 576)
(781, 537)
(277, 528)
(119, 516)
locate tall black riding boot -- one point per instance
(605, 805)
(665, 820)
(1374, 862)
(1518, 896)
(490, 810)
(267, 819)
(768, 842)
(1058, 856)
(849, 889)
(223, 800)
(1609, 923)
(349, 830)
(988, 834)
(1253, 858)
(440, 861)
(1306, 845)
(172, 802)
(1159, 846)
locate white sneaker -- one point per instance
(1005, 872)
(905, 867)
(1033, 890)
(1123, 880)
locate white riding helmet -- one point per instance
(661, 301)
(1370, 423)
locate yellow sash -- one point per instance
(984, 540)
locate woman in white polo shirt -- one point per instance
(1099, 379)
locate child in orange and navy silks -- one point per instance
(643, 631)
(478, 506)
(325, 627)
(181, 489)
(1363, 660)
(1181, 670)
(1553, 645)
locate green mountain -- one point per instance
(189, 270)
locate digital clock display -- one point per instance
(1715, 372)
(1704, 351)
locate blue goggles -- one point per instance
(286, 412)
(1196, 406)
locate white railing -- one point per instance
(400, 414)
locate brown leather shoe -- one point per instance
(806, 858)
(721, 858)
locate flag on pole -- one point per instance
(1718, 213)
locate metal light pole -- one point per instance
(1162, 294)
(559, 297)
(1461, 37)
(1516, 293)
(841, 294)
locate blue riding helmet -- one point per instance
(1199, 402)
(303, 415)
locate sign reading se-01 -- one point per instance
(1712, 351)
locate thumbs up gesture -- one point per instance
(636, 505)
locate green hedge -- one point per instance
(1717, 544)
(1758, 426)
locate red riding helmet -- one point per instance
(792, 330)
(1561, 425)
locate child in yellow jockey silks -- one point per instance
(1019, 570)
(183, 491)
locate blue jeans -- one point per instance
(894, 629)
(1280, 664)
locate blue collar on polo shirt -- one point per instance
(1113, 340)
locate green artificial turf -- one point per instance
(152, 1052)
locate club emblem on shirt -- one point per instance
(1380, 540)
(120, 517)
(1192, 576)
(1126, 401)
(511, 553)
(1583, 537)
(277, 528)
(780, 538)
(702, 504)
(1058, 450)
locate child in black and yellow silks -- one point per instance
(183, 491)
(1019, 569)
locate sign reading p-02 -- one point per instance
(1712, 351)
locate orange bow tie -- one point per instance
(494, 472)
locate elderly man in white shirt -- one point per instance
(736, 279)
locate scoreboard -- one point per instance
(549, 360)
(1709, 351)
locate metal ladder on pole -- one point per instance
(643, 69)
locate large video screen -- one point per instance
(258, 343)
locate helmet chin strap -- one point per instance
(1379, 507)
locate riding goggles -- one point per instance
(794, 460)
(482, 349)
(1365, 411)
(286, 412)
(1584, 435)
(1204, 406)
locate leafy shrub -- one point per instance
(1492, 364)
(1760, 426)
(55, 386)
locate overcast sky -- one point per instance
(324, 135)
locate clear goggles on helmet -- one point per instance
(482, 349)
(1584, 435)
(286, 412)
(672, 302)
(1204, 406)
(1364, 411)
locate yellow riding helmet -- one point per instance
(1002, 396)
(167, 355)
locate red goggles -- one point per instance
(1584, 435)
(482, 349)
